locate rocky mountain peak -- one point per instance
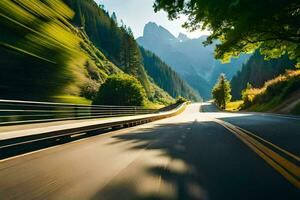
(182, 37)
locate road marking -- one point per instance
(287, 169)
(273, 145)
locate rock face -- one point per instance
(188, 57)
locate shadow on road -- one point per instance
(213, 165)
(205, 107)
(185, 183)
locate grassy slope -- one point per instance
(273, 94)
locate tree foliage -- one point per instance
(242, 25)
(221, 92)
(181, 99)
(121, 89)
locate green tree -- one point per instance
(243, 26)
(114, 18)
(121, 89)
(130, 55)
(221, 92)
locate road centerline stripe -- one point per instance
(287, 169)
(273, 145)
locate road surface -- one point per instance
(200, 154)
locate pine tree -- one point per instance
(221, 92)
(114, 18)
(130, 55)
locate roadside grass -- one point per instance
(296, 110)
(273, 93)
(263, 107)
(152, 105)
(72, 99)
(81, 100)
(234, 106)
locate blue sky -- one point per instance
(136, 13)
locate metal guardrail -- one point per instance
(14, 112)
(10, 144)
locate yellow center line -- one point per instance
(271, 144)
(286, 168)
(294, 169)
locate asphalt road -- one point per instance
(199, 154)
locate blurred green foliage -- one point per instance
(42, 54)
(72, 99)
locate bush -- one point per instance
(89, 90)
(181, 99)
(121, 89)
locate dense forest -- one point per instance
(257, 71)
(166, 78)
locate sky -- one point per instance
(137, 13)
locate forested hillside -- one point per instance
(166, 78)
(257, 71)
(48, 52)
(116, 41)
